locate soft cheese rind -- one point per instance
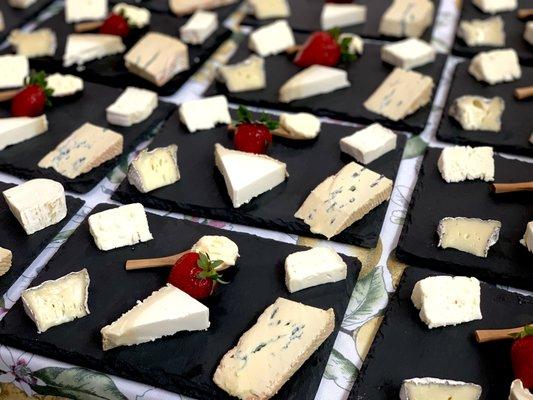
(476, 113)
(519, 392)
(15, 69)
(528, 237)
(85, 47)
(206, 113)
(18, 129)
(154, 169)
(407, 18)
(38, 43)
(6, 258)
(64, 85)
(300, 126)
(496, 66)
(482, 32)
(342, 15)
(370, 143)
(244, 76)
(199, 27)
(408, 54)
(271, 39)
(495, 6)
(438, 389)
(218, 248)
(185, 7)
(86, 10)
(461, 163)
(267, 9)
(471, 235)
(138, 17)
(133, 106)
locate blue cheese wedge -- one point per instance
(271, 39)
(447, 300)
(38, 43)
(19, 129)
(283, 338)
(407, 18)
(342, 15)
(496, 66)
(86, 148)
(165, 312)
(408, 54)
(64, 85)
(35, 213)
(186, 7)
(133, 106)
(199, 27)
(138, 17)
(528, 237)
(6, 258)
(369, 143)
(476, 113)
(300, 126)
(15, 69)
(438, 389)
(57, 302)
(483, 32)
(21, 4)
(463, 163)
(344, 198)
(218, 248)
(203, 114)
(154, 169)
(244, 76)
(495, 6)
(269, 9)
(85, 47)
(471, 235)
(86, 10)
(519, 392)
(528, 32)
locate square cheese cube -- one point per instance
(408, 54)
(476, 113)
(39, 43)
(244, 76)
(483, 32)
(268, 9)
(153, 169)
(471, 235)
(6, 258)
(134, 105)
(85, 10)
(14, 69)
(369, 143)
(462, 163)
(203, 114)
(407, 18)
(271, 39)
(199, 27)
(528, 237)
(342, 15)
(495, 6)
(496, 66)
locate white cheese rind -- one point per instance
(15, 69)
(342, 15)
(206, 113)
(185, 7)
(496, 66)
(218, 248)
(64, 85)
(268, 9)
(528, 32)
(6, 258)
(462, 163)
(133, 106)
(136, 16)
(471, 235)
(528, 237)
(476, 113)
(438, 389)
(271, 39)
(154, 169)
(495, 6)
(519, 392)
(370, 143)
(38, 43)
(300, 126)
(482, 32)
(85, 10)
(408, 54)
(407, 18)
(85, 47)
(244, 76)
(19, 129)
(199, 27)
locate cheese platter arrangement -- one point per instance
(431, 325)
(15, 13)
(280, 305)
(458, 224)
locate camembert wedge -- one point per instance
(19, 129)
(85, 47)
(153, 169)
(438, 389)
(471, 235)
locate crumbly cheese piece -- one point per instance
(268, 9)
(85, 10)
(271, 39)
(344, 198)
(121, 226)
(57, 302)
(300, 126)
(19, 129)
(438, 389)
(86, 148)
(39, 43)
(401, 94)
(369, 143)
(408, 54)
(15, 69)
(203, 114)
(185, 7)
(483, 32)
(528, 32)
(471, 235)
(283, 338)
(165, 312)
(85, 47)
(476, 113)
(248, 175)
(447, 300)
(6, 258)
(21, 4)
(154, 169)
(33, 212)
(199, 27)
(134, 105)
(64, 85)
(407, 18)
(496, 66)
(218, 248)
(136, 16)
(244, 76)
(528, 237)
(317, 266)
(342, 15)
(519, 392)
(356, 44)
(462, 163)
(312, 81)
(495, 6)
(157, 58)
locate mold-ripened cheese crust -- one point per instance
(153, 169)
(438, 389)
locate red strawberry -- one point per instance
(195, 274)
(31, 101)
(253, 136)
(522, 357)
(321, 48)
(116, 25)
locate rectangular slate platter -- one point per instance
(64, 117)
(26, 248)
(305, 17)
(162, 6)
(517, 119)
(183, 363)
(508, 262)
(514, 31)
(15, 18)
(201, 190)
(406, 348)
(365, 74)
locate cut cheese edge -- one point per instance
(185, 7)
(462, 163)
(342, 15)
(133, 106)
(438, 389)
(154, 169)
(244, 76)
(519, 392)
(64, 85)
(408, 54)
(38, 43)
(85, 47)
(218, 248)
(19, 129)
(300, 126)
(15, 69)
(496, 66)
(199, 27)
(204, 114)
(269, 9)
(407, 18)
(86, 10)
(6, 259)
(527, 240)
(271, 39)
(476, 113)
(483, 32)
(370, 143)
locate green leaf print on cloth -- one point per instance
(340, 370)
(416, 146)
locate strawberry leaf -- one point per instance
(527, 331)
(244, 115)
(39, 79)
(268, 122)
(346, 54)
(335, 33)
(208, 268)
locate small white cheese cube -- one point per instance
(461, 163)
(134, 105)
(199, 27)
(138, 17)
(471, 235)
(267, 9)
(528, 237)
(64, 85)
(203, 114)
(18, 129)
(407, 18)
(85, 10)
(14, 69)
(342, 15)
(447, 300)
(153, 169)
(6, 258)
(408, 54)
(356, 44)
(39, 43)
(301, 126)
(476, 113)
(495, 6)
(528, 32)
(496, 66)
(482, 32)
(369, 143)
(438, 389)
(218, 248)
(244, 76)
(271, 39)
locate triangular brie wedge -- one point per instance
(84, 47)
(19, 129)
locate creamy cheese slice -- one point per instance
(185, 7)
(38, 43)
(496, 66)
(154, 169)
(528, 32)
(6, 258)
(268, 9)
(22, 4)
(244, 76)
(19, 129)
(370, 143)
(218, 248)
(165, 312)
(482, 32)
(85, 47)
(342, 15)
(438, 389)
(199, 27)
(85, 10)
(15, 69)
(528, 237)
(408, 54)
(206, 113)
(495, 6)
(133, 106)
(271, 39)
(519, 392)
(407, 18)
(476, 113)
(462, 163)
(64, 85)
(471, 235)
(138, 17)
(300, 126)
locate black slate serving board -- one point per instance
(508, 262)
(514, 31)
(365, 74)
(305, 17)
(64, 117)
(185, 362)
(446, 353)
(201, 190)
(15, 18)
(26, 248)
(163, 7)
(517, 119)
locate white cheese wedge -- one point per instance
(85, 10)
(19, 129)
(57, 302)
(138, 17)
(154, 169)
(482, 32)
(21, 4)
(519, 392)
(342, 15)
(157, 58)
(401, 94)
(471, 235)
(244, 76)
(271, 39)
(203, 114)
(369, 143)
(356, 45)
(528, 237)
(476, 113)
(134, 105)
(199, 27)
(165, 312)
(312, 81)
(447, 300)
(283, 347)
(300, 126)
(35, 213)
(495, 6)
(6, 259)
(39, 43)
(317, 266)
(408, 54)
(14, 69)
(344, 198)
(86, 148)
(64, 85)
(185, 7)
(121, 226)
(248, 175)
(269, 9)
(85, 47)
(438, 389)
(462, 163)
(407, 18)
(528, 32)
(218, 248)
(496, 66)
